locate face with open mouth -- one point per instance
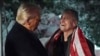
(67, 23)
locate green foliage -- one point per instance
(48, 3)
(89, 13)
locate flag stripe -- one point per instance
(78, 44)
(84, 43)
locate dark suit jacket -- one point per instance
(21, 42)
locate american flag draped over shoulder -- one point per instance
(78, 45)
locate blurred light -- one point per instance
(59, 16)
(97, 48)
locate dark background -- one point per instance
(89, 16)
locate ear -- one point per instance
(74, 23)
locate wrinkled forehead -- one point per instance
(68, 13)
(68, 16)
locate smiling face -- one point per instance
(67, 22)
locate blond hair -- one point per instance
(25, 11)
